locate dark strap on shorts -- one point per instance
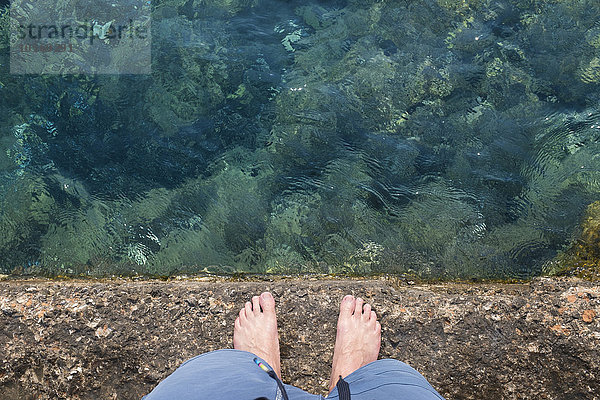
(273, 375)
(343, 389)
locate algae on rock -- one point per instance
(582, 258)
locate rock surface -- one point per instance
(117, 339)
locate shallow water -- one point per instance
(443, 140)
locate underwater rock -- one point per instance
(582, 259)
(194, 9)
(590, 73)
(4, 26)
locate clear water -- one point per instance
(442, 138)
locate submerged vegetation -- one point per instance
(443, 139)
(582, 259)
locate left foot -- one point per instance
(255, 330)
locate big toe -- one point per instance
(347, 306)
(267, 302)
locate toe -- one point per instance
(347, 306)
(358, 307)
(256, 305)
(366, 312)
(237, 324)
(378, 328)
(248, 309)
(267, 302)
(373, 316)
(242, 316)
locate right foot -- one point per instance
(358, 338)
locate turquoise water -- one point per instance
(440, 138)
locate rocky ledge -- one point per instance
(118, 339)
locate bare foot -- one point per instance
(358, 338)
(255, 330)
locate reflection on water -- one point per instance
(445, 139)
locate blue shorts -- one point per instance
(236, 375)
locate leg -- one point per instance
(255, 330)
(357, 340)
(251, 371)
(223, 374)
(388, 379)
(355, 355)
